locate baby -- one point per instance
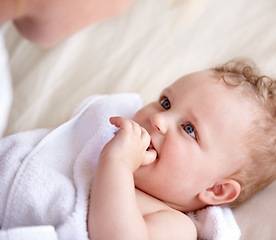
(208, 140)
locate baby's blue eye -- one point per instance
(188, 128)
(165, 103)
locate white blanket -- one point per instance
(46, 176)
(5, 86)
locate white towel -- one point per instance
(29, 233)
(46, 175)
(5, 86)
(215, 223)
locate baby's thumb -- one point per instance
(150, 157)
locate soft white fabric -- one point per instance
(46, 175)
(215, 223)
(5, 86)
(29, 233)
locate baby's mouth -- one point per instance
(150, 147)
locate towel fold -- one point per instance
(215, 223)
(30, 233)
(46, 175)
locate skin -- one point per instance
(48, 22)
(193, 168)
(118, 210)
(174, 156)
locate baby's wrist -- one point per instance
(109, 160)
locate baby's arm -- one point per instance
(114, 213)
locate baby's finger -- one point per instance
(150, 157)
(122, 123)
(116, 121)
(145, 137)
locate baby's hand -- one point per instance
(130, 144)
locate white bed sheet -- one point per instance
(143, 51)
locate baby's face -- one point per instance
(196, 128)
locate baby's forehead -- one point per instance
(230, 81)
(208, 89)
(208, 82)
(196, 81)
(199, 76)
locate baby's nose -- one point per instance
(159, 122)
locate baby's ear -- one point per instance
(224, 191)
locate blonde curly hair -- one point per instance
(261, 138)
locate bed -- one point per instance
(143, 51)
